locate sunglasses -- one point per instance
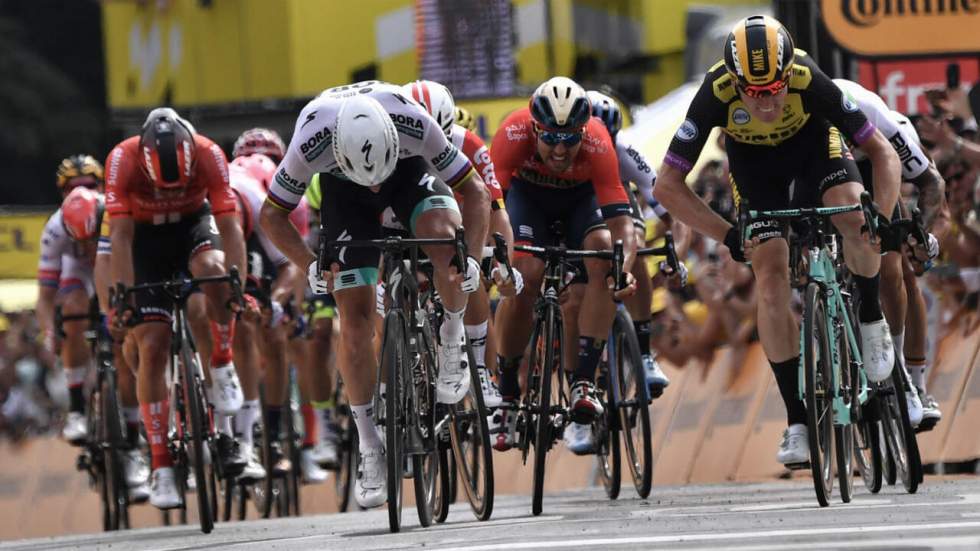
(766, 91)
(568, 139)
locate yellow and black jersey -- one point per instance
(717, 103)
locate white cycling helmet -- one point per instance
(437, 100)
(560, 105)
(365, 142)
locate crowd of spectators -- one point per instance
(32, 389)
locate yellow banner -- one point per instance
(20, 244)
(904, 27)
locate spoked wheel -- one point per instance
(633, 406)
(394, 364)
(819, 393)
(293, 451)
(444, 490)
(347, 464)
(546, 361)
(867, 447)
(608, 453)
(844, 434)
(96, 459)
(470, 438)
(200, 457)
(903, 448)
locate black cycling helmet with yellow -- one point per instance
(759, 54)
(85, 168)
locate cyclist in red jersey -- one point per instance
(171, 208)
(560, 165)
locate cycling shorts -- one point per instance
(535, 210)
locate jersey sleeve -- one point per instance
(105, 240)
(829, 101)
(906, 142)
(213, 168)
(476, 151)
(705, 112)
(511, 146)
(49, 262)
(120, 169)
(313, 195)
(449, 163)
(294, 172)
(633, 167)
(605, 176)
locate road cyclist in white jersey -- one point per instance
(374, 147)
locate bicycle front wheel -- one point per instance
(394, 364)
(545, 361)
(470, 439)
(867, 447)
(633, 406)
(117, 491)
(197, 428)
(899, 434)
(819, 393)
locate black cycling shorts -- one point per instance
(535, 210)
(352, 211)
(793, 174)
(162, 251)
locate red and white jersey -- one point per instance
(62, 261)
(474, 148)
(251, 194)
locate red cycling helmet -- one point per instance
(81, 213)
(167, 147)
(260, 167)
(260, 140)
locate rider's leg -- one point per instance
(276, 378)
(894, 298)
(516, 314)
(75, 351)
(226, 389)
(153, 339)
(246, 356)
(571, 307)
(916, 331)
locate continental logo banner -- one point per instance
(904, 27)
(20, 244)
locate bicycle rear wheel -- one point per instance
(394, 364)
(548, 367)
(633, 406)
(819, 393)
(470, 438)
(867, 447)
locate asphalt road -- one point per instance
(945, 514)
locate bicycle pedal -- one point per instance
(798, 466)
(926, 425)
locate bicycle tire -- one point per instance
(347, 463)
(293, 450)
(867, 447)
(113, 441)
(819, 409)
(197, 423)
(634, 409)
(440, 508)
(470, 439)
(608, 452)
(544, 425)
(423, 411)
(96, 459)
(394, 365)
(844, 434)
(900, 434)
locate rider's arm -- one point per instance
(103, 280)
(213, 168)
(500, 223)
(45, 307)
(932, 201)
(475, 210)
(887, 170)
(121, 229)
(682, 235)
(284, 287)
(685, 206)
(120, 170)
(49, 270)
(610, 195)
(233, 242)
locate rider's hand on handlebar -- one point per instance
(738, 248)
(628, 287)
(252, 311)
(508, 287)
(676, 279)
(321, 283)
(470, 280)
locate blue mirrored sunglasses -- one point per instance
(554, 138)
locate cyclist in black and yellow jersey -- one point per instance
(783, 119)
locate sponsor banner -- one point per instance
(904, 27)
(20, 244)
(902, 83)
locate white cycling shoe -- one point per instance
(163, 489)
(325, 452)
(579, 439)
(795, 448)
(877, 350)
(453, 381)
(135, 467)
(371, 488)
(226, 390)
(254, 470)
(915, 407)
(491, 394)
(312, 473)
(75, 430)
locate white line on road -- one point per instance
(682, 538)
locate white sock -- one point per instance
(452, 326)
(245, 420)
(917, 372)
(899, 342)
(131, 415)
(76, 375)
(478, 342)
(224, 424)
(367, 431)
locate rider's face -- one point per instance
(767, 109)
(559, 157)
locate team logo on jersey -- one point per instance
(848, 104)
(687, 132)
(409, 126)
(443, 160)
(741, 116)
(641, 164)
(316, 144)
(287, 182)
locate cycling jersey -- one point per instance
(130, 193)
(476, 151)
(633, 167)
(811, 94)
(893, 125)
(63, 263)
(310, 151)
(515, 157)
(250, 197)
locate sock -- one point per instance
(788, 379)
(899, 342)
(367, 432)
(870, 309)
(643, 330)
(132, 417)
(589, 351)
(452, 326)
(155, 416)
(510, 384)
(223, 424)
(221, 337)
(76, 388)
(917, 372)
(324, 416)
(478, 342)
(245, 420)
(273, 416)
(309, 425)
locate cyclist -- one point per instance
(171, 209)
(376, 148)
(783, 118)
(438, 101)
(899, 287)
(559, 164)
